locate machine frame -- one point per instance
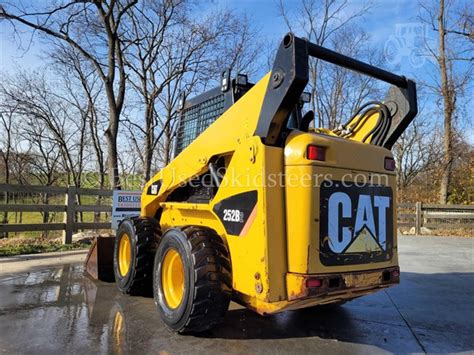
(228, 197)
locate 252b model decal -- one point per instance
(237, 212)
(231, 215)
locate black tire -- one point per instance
(207, 279)
(144, 236)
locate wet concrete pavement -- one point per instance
(58, 310)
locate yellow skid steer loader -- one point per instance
(261, 209)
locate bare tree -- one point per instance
(414, 152)
(6, 151)
(87, 99)
(169, 52)
(238, 47)
(49, 115)
(340, 92)
(463, 171)
(153, 29)
(453, 26)
(67, 21)
(83, 90)
(49, 125)
(335, 92)
(201, 51)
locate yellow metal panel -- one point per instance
(236, 124)
(361, 162)
(174, 216)
(300, 297)
(185, 206)
(302, 216)
(296, 284)
(340, 152)
(243, 174)
(257, 261)
(275, 226)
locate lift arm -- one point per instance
(290, 76)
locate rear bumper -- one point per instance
(339, 285)
(333, 288)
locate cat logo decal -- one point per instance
(356, 223)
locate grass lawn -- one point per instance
(17, 246)
(40, 242)
(54, 217)
(43, 242)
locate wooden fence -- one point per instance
(435, 216)
(70, 207)
(415, 215)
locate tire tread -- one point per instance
(213, 279)
(148, 234)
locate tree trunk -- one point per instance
(448, 108)
(6, 162)
(168, 135)
(149, 140)
(113, 162)
(111, 136)
(45, 201)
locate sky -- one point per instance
(382, 22)
(385, 21)
(386, 14)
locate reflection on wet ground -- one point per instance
(58, 310)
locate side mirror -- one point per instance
(305, 98)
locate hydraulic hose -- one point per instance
(378, 133)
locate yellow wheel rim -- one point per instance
(124, 254)
(172, 278)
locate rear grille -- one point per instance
(195, 119)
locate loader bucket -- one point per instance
(99, 262)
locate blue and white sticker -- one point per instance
(356, 223)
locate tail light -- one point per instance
(311, 283)
(315, 152)
(389, 164)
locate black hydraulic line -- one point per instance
(387, 125)
(376, 128)
(350, 63)
(387, 122)
(361, 115)
(381, 128)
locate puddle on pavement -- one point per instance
(70, 309)
(61, 310)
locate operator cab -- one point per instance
(199, 112)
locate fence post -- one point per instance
(69, 216)
(418, 218)
(5, 217)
